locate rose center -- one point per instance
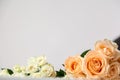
(95, 65)
(73, 66)
(106, 50)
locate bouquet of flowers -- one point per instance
(101, 63)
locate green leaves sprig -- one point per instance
(60, 73)
(84, 53)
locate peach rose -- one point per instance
(107, 47)
(95, 64)
(115, 58)
(112, 71)
(73, 66)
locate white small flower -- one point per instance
(41, 60)
(37, 61)
(32, 68)
(47, 70)
(17, 68)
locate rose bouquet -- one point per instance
(101, 63)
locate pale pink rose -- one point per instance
(95, 64)
(106, 47)
(112, 71)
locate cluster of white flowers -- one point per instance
(37, 67)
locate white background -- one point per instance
(55, 28)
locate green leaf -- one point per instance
(8, 70)
(84, 53)
(60, 73)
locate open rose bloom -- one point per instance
(95, 64)
(106, 47)
(101, 63)
(73, 66)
